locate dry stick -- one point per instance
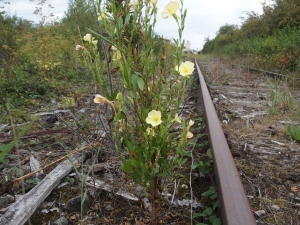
(56, 161)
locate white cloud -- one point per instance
(204, 17)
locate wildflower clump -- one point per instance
(146, 84)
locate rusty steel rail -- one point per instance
(234, 204)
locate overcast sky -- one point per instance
(204, 17)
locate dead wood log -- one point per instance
(104, 186)
(20, 211)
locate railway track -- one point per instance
(250, 174)
(235, 208)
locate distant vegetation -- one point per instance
(269, 41)
(39, 62)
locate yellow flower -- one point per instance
(102, 16)
(170, 9)
(117, 54)
(150, 131)
(120, 124)
(88, 37)
(189, 134)
(185, 68)
(177, 118)
(154, 118)
(191, 123)
(100, 99)
(95, 42)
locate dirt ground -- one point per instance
(61, 130)
(255, 111)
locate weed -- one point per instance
(294, 131)
(209, 214)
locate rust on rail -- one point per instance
(235, 207)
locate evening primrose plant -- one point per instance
(149, 84)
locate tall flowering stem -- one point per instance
(152, 82)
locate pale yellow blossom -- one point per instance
(95, 42)
(102, 16)
(185, 68)
(154, 118)
(170, 9)
(191, 123)
(189, 134)
(150, 131)
(120, 125)
(99, 99)
(117, 53)
(177, 118)
(88, 37)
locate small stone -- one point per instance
(61, 221)
(139, 190)
(276, 207)
(109, 208)
(184, 186)
(265, 157)
(260, 212)
(222, 97)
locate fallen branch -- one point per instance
(104, 186)
(56, 161)
(20, 211)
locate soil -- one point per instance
(60, 130)
(255, 111)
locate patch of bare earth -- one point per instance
(255, 111)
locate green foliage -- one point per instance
(294, 131)
(271, 40)
(208, 213)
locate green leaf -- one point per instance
(208, 211)
(131, 94)
(198, 215)
(103, 38)
(124, 109)
(127, 19)
(213, 196)
(210, 192)
(113, 96)
(140, 83)
(216, 221)
(216, 204)
(294, 131)
(120, 23)
(194, 166)
(208, 153)
(134, 78)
